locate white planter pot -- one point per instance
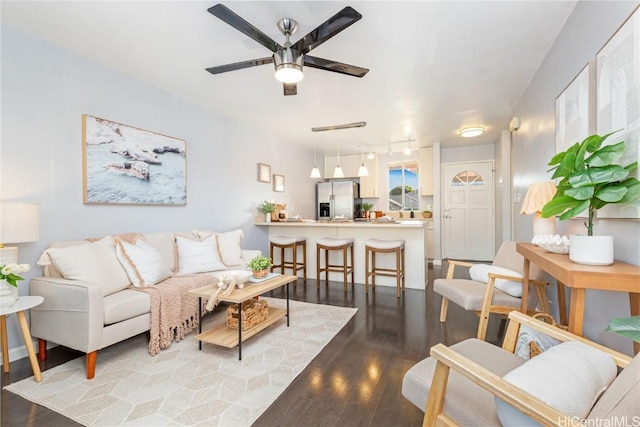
(267, 217)
(591, 250)
(8, 294)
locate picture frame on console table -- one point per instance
(618, 100)
(126, 165)
(264, 172)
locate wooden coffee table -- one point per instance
(226, 337)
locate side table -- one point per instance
(21, 305)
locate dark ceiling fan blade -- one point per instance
(240, 65)
(328, 29)
(336, 67)
(290, 89)
(228, 16)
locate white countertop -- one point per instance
(408, 223)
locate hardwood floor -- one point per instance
(355, 380)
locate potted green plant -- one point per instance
(590, 178)
(267, 208)
(366, 207)
(260, 266)
(626, 326)
(427, 213)
(9, 282)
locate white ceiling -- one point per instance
(435, 66)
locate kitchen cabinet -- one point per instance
(425, 163)
(429, 235)
(350, 165)
(369, 184)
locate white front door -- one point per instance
(468, 211)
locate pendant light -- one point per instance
(362, 171)
(371, 156)
(315, 172)
(338, 173)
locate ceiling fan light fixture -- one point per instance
(288, 63)
(470, 132)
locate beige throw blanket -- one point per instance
(173, 313)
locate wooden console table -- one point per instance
(619, 276)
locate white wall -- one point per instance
(46, 89)
(586, 31)
(503, 188)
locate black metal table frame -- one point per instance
(239, 322)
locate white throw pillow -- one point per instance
(228, 245)
(92, 262)
(480, 273)
(198, 256)
(570, 377)
(143, 263)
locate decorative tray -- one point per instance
(265, 278)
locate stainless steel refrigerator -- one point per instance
(336, 199)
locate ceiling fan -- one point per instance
(290, 58)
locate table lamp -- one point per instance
(538, 194)
(19, 223)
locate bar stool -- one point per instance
(330, 244)
(375, 246)
(285, 242)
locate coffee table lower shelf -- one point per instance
(227, 337)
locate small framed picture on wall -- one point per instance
(278, 183)
(264, 172)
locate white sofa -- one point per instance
(88, 307)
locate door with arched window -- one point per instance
(468, 212)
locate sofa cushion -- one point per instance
(198, 256)
(142, 262)
(92, 262)
(228, 245)
(480, 273)
(569, 377)
(466, 403)
(125, 305)
(165, 244)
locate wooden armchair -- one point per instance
(484, 298)
(463, 381)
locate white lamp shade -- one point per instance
(538, 194)
(19, 222)
(363, 171)
(315, 173)
(338, 173)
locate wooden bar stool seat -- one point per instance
(378, 246)
(331, 244)
(293, 243)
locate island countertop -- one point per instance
(412, 231)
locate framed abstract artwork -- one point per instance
(618, 100)
(278, 182)
(122, 164)
(264, 172)
(575, 109)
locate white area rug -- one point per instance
(184, 386)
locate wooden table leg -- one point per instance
(576, 311)
(562, 303)
(24, 327)
(634, 306)
(524, 303)
(5, 344)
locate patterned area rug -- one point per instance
(184, 386)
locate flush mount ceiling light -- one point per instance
(470, 132)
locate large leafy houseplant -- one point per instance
(591, 179)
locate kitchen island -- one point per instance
(412, 231)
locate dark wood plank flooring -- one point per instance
(355, 381)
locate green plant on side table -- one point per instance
(590, 179)
(260, 266)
